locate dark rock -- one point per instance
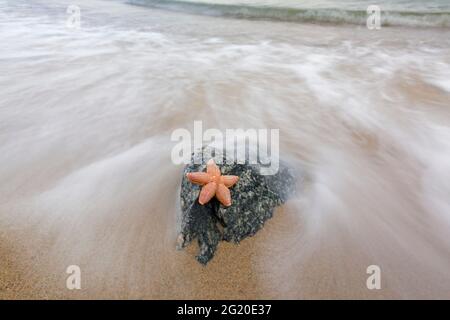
(254, 198)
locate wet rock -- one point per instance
(254, 199)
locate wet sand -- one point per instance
(232, 274)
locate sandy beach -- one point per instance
(86, 117)
(184, 278)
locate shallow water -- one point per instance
(432, 13)
(85, 123)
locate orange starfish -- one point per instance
(214, 184)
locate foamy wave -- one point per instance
(334, 16)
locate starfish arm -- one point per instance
(198, 177)
(223, 195)
(212, 168)
(208, 191)
(229, 181)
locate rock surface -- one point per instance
(254, 198)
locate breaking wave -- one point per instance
(316, 15)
